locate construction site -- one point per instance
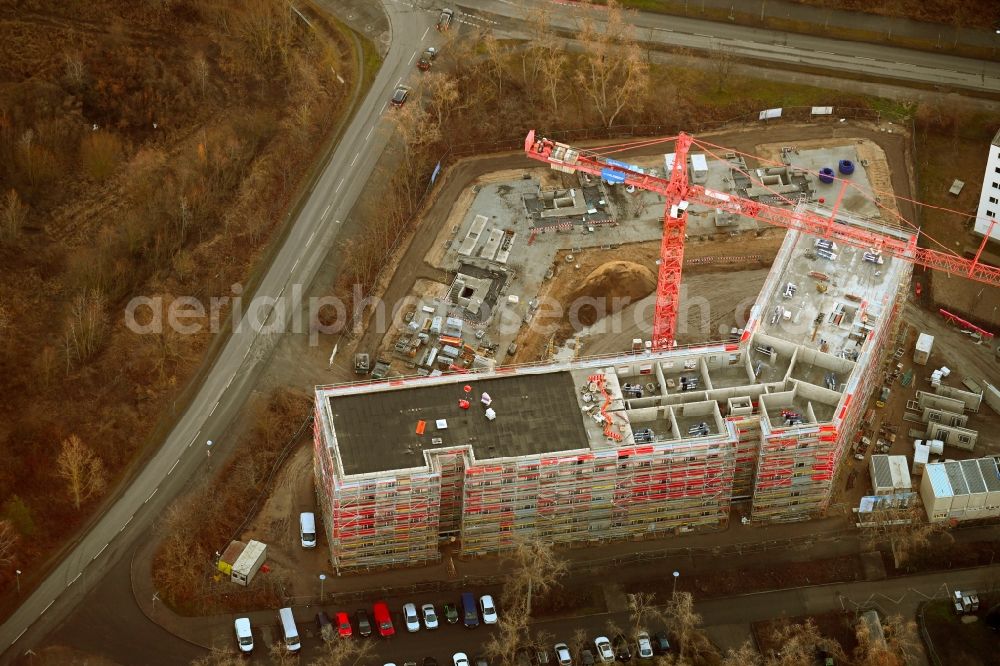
(658, 439)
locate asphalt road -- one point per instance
(857, 58)
(83, 576)
(232, 377)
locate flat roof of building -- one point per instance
(535, 413)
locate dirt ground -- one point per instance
(709, 288)
(277, 525)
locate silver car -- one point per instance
(645, 645)
(563, 657)
(430, 616)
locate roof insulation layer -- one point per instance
(973, 476)
(956, 478)
(991, 475)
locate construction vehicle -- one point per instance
(883, 397)
(361, 364)
(381, 369)
(679, 191)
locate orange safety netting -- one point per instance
(609, 430)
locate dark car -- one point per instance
(587, 658)
(522, 657)
(324, 626)
(480, 660)
(430, 661)
(364, 624)
(623, 652)
(661, 645)
(450, 613)
(399, 97)
(445, 19)
(423, 64)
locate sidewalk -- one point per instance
(888, 28)
(693, 555)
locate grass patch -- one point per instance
(958, 642)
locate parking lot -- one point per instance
(439, 644)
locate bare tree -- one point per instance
(905, 529)
(82, 470)
(444, 97)
(684, 623)
(8, 542)
(75, 70)
(218, 657)
(344, 653)
(722, 62)
(552, 62)
(201, 73)
(744, 655)
(14, 214)
(643, 611)
(85, 327)
(496, 56)
(895, 647)
(613, 73)
(800, 643)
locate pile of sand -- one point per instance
(614, 284)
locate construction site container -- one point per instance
(977, 488)
(248, 563)
(229, 556)
(922, 350)
(959, 489)
(889, 474)
(921, 454)
(935, 492)
(991, 479)
(699, 168)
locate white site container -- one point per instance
(935, 492)
(920, 457)
(922, 351)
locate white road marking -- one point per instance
(173, 466)
(74, 580)
(369, 135)
(339, 185)
(399, 81)
(325, 212)
(127, 522)
(99, 553)
(356, 156)
(424, 36)
(216, 405)
(192, 440)
(47, 607)
(151, 495)
(382, 110)
(412, 57)
(338, 221)
(19, 636)
(311, 236)
(294, 266)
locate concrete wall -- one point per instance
(971, 400)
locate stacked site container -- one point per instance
(991, 479)
(961, 490)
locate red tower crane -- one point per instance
(680, 193)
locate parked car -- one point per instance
(383, 620)
(587, 658)
(430, 53)
(622, 650)
(400, 95)
(480, 660)
(470, 615)
(445, 19)
(563, 657)
(645, 646)
(460, 659)
(543, 657)
(324, 626)
(488, 609)
(364, 624)
(604, 651)
(343, 624)
(661, 645)
(430, 661)
(423, 64)
(244, 635)
(430, 616)
(411, 618)
(451, 613)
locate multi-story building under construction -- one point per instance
(645, 444)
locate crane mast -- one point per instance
(680, 193)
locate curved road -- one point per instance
(105, 548)
(233, 375)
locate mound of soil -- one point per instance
(608, 288)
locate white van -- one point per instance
(290, 631)
(244, 637)
(307, 529)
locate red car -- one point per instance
(383, 620)
(343, 625)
